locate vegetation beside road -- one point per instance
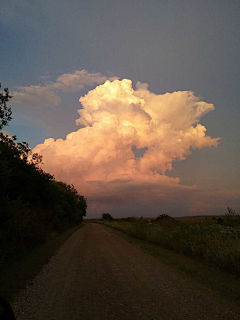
(34, 206)
(19, 272)
(225, 287)
(217, 245)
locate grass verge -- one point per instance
(225, 287)
(16, 274)
(217, 246)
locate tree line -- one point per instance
(33, 204)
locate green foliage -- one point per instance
(107, 216)
(5, 111)
(161, 217)
(231, 212)
(128, 219)
(216, 245)
(232, 218)
(165, 220)
(32, 203)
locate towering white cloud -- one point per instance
(98, 158)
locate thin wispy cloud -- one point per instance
(48, 94)
(36, 96)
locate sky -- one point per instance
(134, 102)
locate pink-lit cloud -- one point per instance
(48, 94)
(36, 96)
(98, 158)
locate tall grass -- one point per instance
(218, 246)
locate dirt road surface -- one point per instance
(97, 275)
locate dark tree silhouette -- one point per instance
(107, 216)
(32, 202)
(5, 111)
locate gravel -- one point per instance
(97, 275)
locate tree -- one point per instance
(32, 203)
(107, 216)
(232, 218)
(162, 217)
(166, 220)
(5, 111)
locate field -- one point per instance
(204, 238)
(199, 219)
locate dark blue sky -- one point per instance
(171, 45)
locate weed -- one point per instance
(216, 245)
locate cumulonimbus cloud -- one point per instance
(48, 94)
(99, 159)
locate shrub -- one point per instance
(232, 218)
(107, 216)
(161, 217)
(216, 245)
(32, 202)
(165, 220)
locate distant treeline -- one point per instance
(33, 205)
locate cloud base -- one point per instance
(99, 159)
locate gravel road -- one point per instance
(98, 276)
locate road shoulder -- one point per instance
(210, 281)
(20, 272)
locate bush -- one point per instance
(165, 220)
(215, 245)
(128, 219)
(232, 218)
(107, 216)
(32, 203)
